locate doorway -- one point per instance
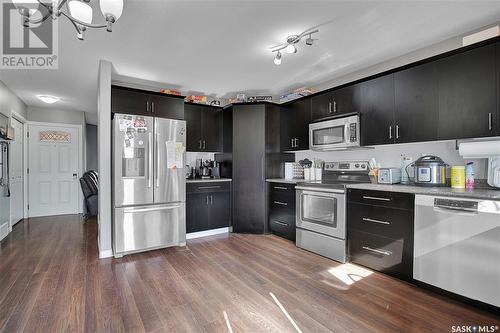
(54, 167)
(16, 171)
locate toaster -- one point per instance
(389, 175)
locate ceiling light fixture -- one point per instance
(79, 13)
(48, 99)
(277, 59)
(289, 45)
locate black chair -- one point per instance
(90, 188)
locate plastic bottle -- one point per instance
(469, 175)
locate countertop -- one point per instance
(481, 193)
(211, 180)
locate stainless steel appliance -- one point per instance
(429, 171)
(456, 246)
(321, 206)
(389, 175)
(149, 183)
(338, 133)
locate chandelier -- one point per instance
(79, 13)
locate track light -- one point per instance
(291, 49)
(277, 59)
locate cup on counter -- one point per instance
(458, 176)
(307, 174)
(318, 174)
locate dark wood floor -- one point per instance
(52, 281)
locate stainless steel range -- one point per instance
(321, 208)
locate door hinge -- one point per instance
(28, 171)
(28, 134)
(28, 206)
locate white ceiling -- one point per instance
(222, 47)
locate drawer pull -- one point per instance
(280, 188)
(208, 187)
(281, 223)
(384, 252)
(375, 221)
(376, 198)
(280, 203)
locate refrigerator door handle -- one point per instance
(150, 209)
(150, 160)
(157, 160)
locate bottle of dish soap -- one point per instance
(469, 175)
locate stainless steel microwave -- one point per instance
(338, 133)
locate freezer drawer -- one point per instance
(144, 228)
(457, 246)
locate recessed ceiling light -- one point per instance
(48, 99)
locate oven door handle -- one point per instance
(326, 192)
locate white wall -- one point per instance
(54, 115)
(104, 157)
(391, 155)
(10, 102)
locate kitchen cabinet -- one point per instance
(335, 103)
(377, 111)
(295, 119)
(208, 205)
(204, 128)
(416, 99)
(256, 156)
(496, 121)
(380, 231)
(138, 102)
(282, 209)
(467, 94)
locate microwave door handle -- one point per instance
(347, 135)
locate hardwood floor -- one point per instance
(52, 281)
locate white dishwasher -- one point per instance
(457, 246)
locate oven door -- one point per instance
(334, 134)
(322, 211)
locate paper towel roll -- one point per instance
(481, 149)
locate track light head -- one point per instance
(277, 59)
(291, 49)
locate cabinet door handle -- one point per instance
(366, 219)
(280, 203)
(211, 200)
(334, 106)
(208, 187)
(153, 107)
(384, 252)
(490, 121)
(199, 146)
(281, 223)
(375, 198)
(397, 131)
(292, 143)
(390, 131)
(206, 200)
(280, 188)
(204, 144)
(147, 106)
(329, 107)
(296, 144)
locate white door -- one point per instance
(17, 173)
(53, 162)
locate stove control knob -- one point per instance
(363, 166)
(356, 165)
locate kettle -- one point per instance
(429, 170)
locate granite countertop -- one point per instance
(211, 180)
(285, 181)
(479, 193)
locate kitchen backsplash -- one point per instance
(391, 155)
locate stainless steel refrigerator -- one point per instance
(149, 183)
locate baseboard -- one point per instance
(105, 254)
(206, 233)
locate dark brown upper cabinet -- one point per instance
(416, 98)
(496, 121)
(377, 111)
(295, 119)
(335, 103)
(137, 102)
(204, 128)
(467, 94)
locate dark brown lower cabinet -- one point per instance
(380, 232)
(208, 206)
(282, 210)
